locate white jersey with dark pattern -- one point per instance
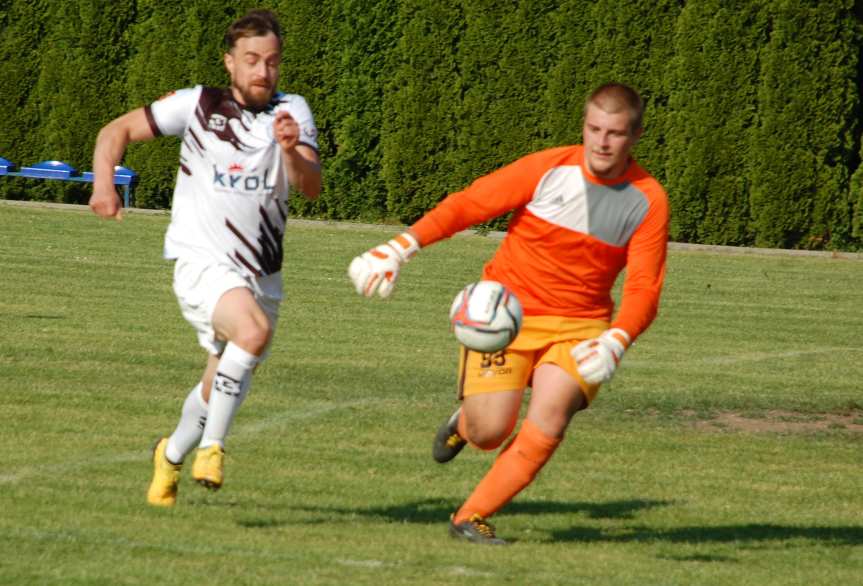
(230, 200)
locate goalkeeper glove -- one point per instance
(598, 357)
(378, 269)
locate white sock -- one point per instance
(230, 387)
(189, 429)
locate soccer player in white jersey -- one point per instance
(244, 148)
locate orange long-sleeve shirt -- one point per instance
(571, 235)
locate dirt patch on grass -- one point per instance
(782, 422)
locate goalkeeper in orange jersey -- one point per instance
(583, 213)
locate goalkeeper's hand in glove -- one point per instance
(598, 357)
(378, 269)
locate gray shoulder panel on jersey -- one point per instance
(611, 213)
(615, 211)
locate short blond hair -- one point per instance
(615, 97)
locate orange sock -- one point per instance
(515, 467)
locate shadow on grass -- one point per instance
(703, 558)
(750, 532)
(437, 510)
(261, 523)
(432, 511)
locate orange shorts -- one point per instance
(542, 339)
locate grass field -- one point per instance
(728, 450)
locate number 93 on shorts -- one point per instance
(543, 339)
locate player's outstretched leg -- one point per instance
(514, 469)
(476, 530)
(447, 442)
(209, 467)
(166, 476)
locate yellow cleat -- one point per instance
(208, 469)
(166, 476)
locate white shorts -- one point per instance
(200, 283)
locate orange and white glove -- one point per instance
(597, 358)
(378, 269)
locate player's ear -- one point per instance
(229, 63)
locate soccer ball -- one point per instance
(485, 316)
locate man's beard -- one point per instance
(258, 97)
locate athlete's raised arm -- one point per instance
(301, 160)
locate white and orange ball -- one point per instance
(485, 316)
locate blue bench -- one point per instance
(126, 178)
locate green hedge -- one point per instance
(420, 126)
(716, 57)
(752, 106)
(803, 143)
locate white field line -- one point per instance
(463, 571)
(378, 564)
(239, 432)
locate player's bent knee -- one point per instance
(489, 423)
(487, 437)
(253, 337)
(488, 444)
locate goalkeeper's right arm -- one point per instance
(488, 197)
(378, 268)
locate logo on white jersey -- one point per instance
(217, 122)
(234, 180)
